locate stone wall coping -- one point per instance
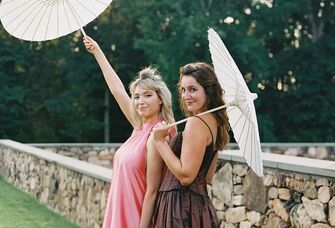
(300, 144)
(277, 161)
(92, 170)
(287, 162)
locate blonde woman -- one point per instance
(136, 169)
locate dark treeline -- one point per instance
(54, 91)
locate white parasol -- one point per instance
(39, 20)
(241, 109)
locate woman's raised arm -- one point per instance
(113, 81)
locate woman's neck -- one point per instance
(151, 119)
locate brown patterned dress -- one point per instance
(185, 206)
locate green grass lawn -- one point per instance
(18, 209)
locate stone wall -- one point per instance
(75, 189)
(98, 154)
(295, 191)
(102, 154)
(281, 199)
(324, 151)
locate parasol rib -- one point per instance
(237, 121)
(39, 23)
(15, 9)
(48, 23)
(87, 9)
(245, 120)
(67, 16)
(34, 17)
(246, 140)
(18, 15)
(76, 17)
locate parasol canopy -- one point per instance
(40, 20)
(241, 110)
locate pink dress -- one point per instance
(128, 185)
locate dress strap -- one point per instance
(208, 128)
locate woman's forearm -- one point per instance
(171, 160)
(147, 209)
(114, 83)
(112, 79)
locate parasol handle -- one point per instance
(200, 114)
(83, 32)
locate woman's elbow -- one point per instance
(186, 181)
(185, 177)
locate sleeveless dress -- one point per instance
(125, 199)
(185, 206)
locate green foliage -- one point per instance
(54, 91)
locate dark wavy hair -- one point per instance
(204, 74)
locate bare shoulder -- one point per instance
(194, 122)
(197, 126)
(207, 118)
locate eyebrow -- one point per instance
(190, 86)
(145, 92)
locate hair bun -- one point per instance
(149, 72)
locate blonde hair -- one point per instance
(149, 79)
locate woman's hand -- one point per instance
(90, 45)
(160, 131)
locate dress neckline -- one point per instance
(150, 124)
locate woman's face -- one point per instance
(193, 94)
(147, 104)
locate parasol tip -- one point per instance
(254, 96)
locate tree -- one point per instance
(54, 91)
